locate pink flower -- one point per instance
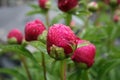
(42, 3)
(67, 5)
(84, 53)
(33, 29)
(15, 33)
(61, 36)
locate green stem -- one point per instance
(85, 75)
(96, 22)
(78, 72)
(47, 18)
(44, 66)
(68, 19)
(110, 40)
(86, 23)
(25, 66)
(63, 70)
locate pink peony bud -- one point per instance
(33, 29)
(84, 53)
(15, 34)
(67, 5)
(61, 36)
(43, 3)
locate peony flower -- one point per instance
(43, 3)
(33, 29)
(67, 5)
(84, 53)
(15, 35)
(60, 36)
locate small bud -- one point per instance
(34, 29)
(67, 5)
(44, 4)
(15, 36)
(93, 6)
(84, 53)
(48, 4)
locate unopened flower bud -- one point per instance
(67, 5)
(15, 36)
(62, 37)
(93, 6)
(34, 29)
(84, 53)
(44, 4)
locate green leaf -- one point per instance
(33, 12)
(34, 6)
(57, 18)
(75, 75)
(84, 75)
(106, 67)
(36, 11)
(14, 73)
(17, 49)
(93, 33)
(115, 54)
(82, 13)
(39, 45)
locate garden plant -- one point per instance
(80, 40)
